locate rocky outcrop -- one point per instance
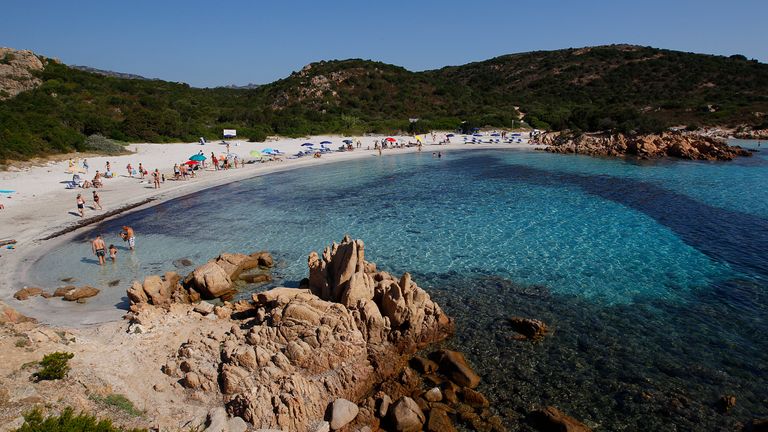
(652, 146)
(294, 357)
(385, 308)
(214, 279)
(17, 69)
(9, 315)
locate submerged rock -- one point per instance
(528, 328)
(453, 365)
(183, 262)
(82, 293)
(25, 293)
(550, 419)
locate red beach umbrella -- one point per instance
(192, 163)
(390, 139)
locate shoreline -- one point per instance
(39, 234)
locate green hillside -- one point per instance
(625, 88)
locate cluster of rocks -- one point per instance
(216, 279)
(68, 293)
(651, 146)
(302, 358)
(751, 134)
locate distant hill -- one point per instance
(109, 73)
(622, 88)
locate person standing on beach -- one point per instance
(141, 171)
(156, 178)
(128, 235)
(96, 201)
(214, 161)
(85, 164)
(130, 169)
(80, 205)
(99, 249)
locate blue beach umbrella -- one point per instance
(450, 135)
(477, 134)
(325, 142)
(495, 134)
(198, 157)
(307, 145)
(347, 141)
(268, 150)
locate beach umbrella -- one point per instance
(191, 162)
(390, 139)
(495, 134)
(307, 145)
(268, 150)
(325, 142)
(347, 141)
(450, 135)
(256, 153)
(198, 157)
(477, 134)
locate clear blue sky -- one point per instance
(210, 43)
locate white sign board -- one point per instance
(230, 133)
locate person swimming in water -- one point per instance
(99, 249)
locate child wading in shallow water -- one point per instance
(112, 252)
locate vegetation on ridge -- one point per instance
(621, 88)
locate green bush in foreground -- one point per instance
(67, 421)
(54, 366)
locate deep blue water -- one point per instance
(652, 274)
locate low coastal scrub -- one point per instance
(54, 366)
(610, 88)
(68, 421)
(119, 402)
(101, 144)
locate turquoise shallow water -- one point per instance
(643, 267)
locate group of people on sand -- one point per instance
(81, 203)
(100, 249)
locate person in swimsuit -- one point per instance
(156, 178)
(80, 205)
(96, 201)
(112, 252)
(129, 236)
(99, 249)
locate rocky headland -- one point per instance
(351, 349)
(17, 71)
(651, 146)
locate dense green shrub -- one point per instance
(67, 421)
(101, 144)
(54, 366)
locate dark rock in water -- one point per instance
(473, 398)
(551, 419)
(256, 278)
(725, 403)
(756, 425)
(453, 365)
(115, 282)
(423, 365)
(528, 328)
(182, 262)
(68, 279)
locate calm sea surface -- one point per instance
(653, 275)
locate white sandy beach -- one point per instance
(41, 205)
